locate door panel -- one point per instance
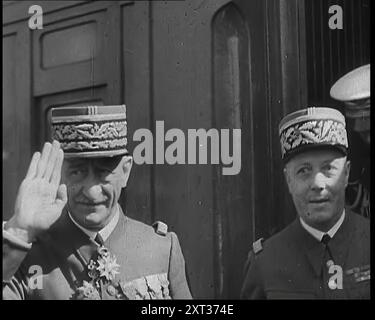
(16, 112)
(233, 108)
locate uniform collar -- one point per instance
(317, 234)
(105, 232)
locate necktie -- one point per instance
(327, 260)
(325, 240)
(99, 240)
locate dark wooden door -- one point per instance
(224, 65)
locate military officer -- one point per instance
(325, 252)
(353, 89)
(72, 240)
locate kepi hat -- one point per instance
(90, 131)
(311, 128)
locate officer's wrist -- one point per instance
(12, 228)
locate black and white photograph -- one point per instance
(214, 150)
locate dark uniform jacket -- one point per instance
(151, 265)
(291, 264)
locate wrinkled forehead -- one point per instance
(316, 157)
(107, 162)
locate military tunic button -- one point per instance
(111, 290)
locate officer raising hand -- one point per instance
(76, 233)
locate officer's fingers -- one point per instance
(43, 160)
(56, 173)
(31, 171)
(51, 160)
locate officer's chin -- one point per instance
(95, 220)
(319, 219)
(91, 217)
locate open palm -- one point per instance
(41, 198)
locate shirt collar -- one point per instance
(105, 232)
(317, 234)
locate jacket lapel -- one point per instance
(72, 240)
(117, 235)
(312, 248)
(339, 244)
(116, 243)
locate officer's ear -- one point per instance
(347, 172)
(287, 176)
(127, 163)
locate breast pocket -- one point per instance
(357, 285)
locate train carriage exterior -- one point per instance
(193, 64)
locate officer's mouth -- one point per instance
(319, 201)
(92, 204)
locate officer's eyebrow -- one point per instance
(303, 164)
(107, 162)
(74, 163)
(292, 168)
(333, 162)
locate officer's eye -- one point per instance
(76, 172)
(303, 170)
(104, 171)
(329, 168)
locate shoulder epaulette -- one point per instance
(160, 228)
(258, 246)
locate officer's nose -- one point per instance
(318, 181)
(92, 187)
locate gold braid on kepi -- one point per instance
(310, 128)
(90, 131)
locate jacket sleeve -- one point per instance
(252, 287)
(14, 283)
(177, 273)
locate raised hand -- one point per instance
(41, 198)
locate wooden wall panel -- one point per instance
(10, 142)
(17, 10)
(233, 107)
(80, 62)
(181, 64)
(69, 45)
(16, 111)
(136, 92)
